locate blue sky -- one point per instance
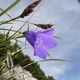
(65, 14)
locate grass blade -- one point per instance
(11, 6)
(44, 60)
(6, 13)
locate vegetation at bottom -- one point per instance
(19, 59)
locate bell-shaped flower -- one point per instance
(41, 41)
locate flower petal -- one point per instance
(48, 32)
(45, 41)
(40, 51)
(31, 37)
(49, 42)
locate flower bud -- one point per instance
(29, 9)
(44, 26)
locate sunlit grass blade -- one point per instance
(5, 21)
(10, 30)
(6, 13)
(7, 34)
(44, 60)
(9, 60)
(11, 6)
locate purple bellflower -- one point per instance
(41, 41)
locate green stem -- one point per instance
(43, 61)
(11, 30)
(9, 20)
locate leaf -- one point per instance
(44, 60)
(6, 13)
(7, 34)
(8, 29)
(9, 60)
(11, 6)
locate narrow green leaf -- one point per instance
(7, 34)
(6, 13)
(7, 29)
(44, 60)
(11, 6)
